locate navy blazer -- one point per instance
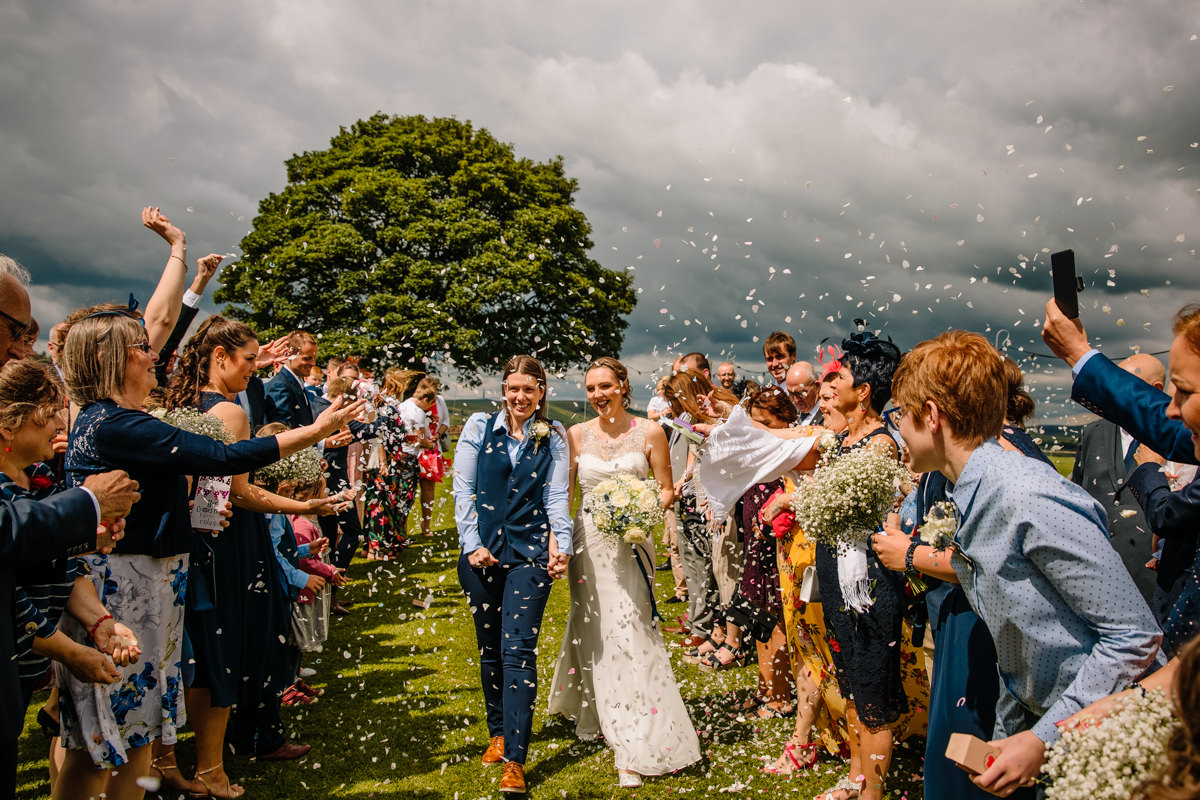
(158, 456)
(33, 532)
(287, 402)
(1121, 397)
(1175, 516)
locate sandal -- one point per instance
(851, 788)
(208, 793)
(713, 662)
(789, 752)
(178, 784)
(772, 712)
(749, 704)
(696, 657)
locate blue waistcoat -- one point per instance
(510, 501)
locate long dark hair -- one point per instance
(191, 376)
(872, 361)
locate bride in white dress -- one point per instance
(613, 676)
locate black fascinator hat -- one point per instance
(872, 361)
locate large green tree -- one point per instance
(412, 237)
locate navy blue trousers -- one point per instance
(507, 603)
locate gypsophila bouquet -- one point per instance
(625, 507)
(1109, 759)
(301, 467)
(193, 420)
(848, 496)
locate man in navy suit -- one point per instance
(1103, 388)
(287, 400)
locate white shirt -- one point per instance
(414, 420)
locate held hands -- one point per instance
(1065, 337)
(482, 557)
(108, 533)
(90, 665)
(1018, 764)
(157, 221)
(116, 640)
(557, 563)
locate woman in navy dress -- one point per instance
(235, 606)
(109, 368)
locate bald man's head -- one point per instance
(802, 385)
(1146, 367)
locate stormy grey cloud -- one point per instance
(780, 165)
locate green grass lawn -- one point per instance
(403, 713)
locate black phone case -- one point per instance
(1066, 292)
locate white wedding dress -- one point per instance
(613, 676)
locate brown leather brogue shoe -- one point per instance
(513, 779)
(495, 752)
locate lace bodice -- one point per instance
(601, 457)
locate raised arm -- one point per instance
(163, 307)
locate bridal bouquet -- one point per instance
(625, 507)
(848, 496)
(1109, 759)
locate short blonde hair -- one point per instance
(95, 352)
(964, 375)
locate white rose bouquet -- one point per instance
(1109, 759)
(625, 507)
(848, 496)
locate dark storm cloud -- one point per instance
(911, 164)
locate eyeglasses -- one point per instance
(893, 415)
(802, 390)
(15, 326)
(143, 346)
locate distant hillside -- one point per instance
(568, 412)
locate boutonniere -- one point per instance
(540, 429)
(941, 523)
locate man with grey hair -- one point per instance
(804, 389)
(35, 532)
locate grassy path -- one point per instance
(403, 713)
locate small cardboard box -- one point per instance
(970, 752)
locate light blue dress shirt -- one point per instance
(1069, 624)
(466, 457)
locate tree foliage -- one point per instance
(412, 237)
